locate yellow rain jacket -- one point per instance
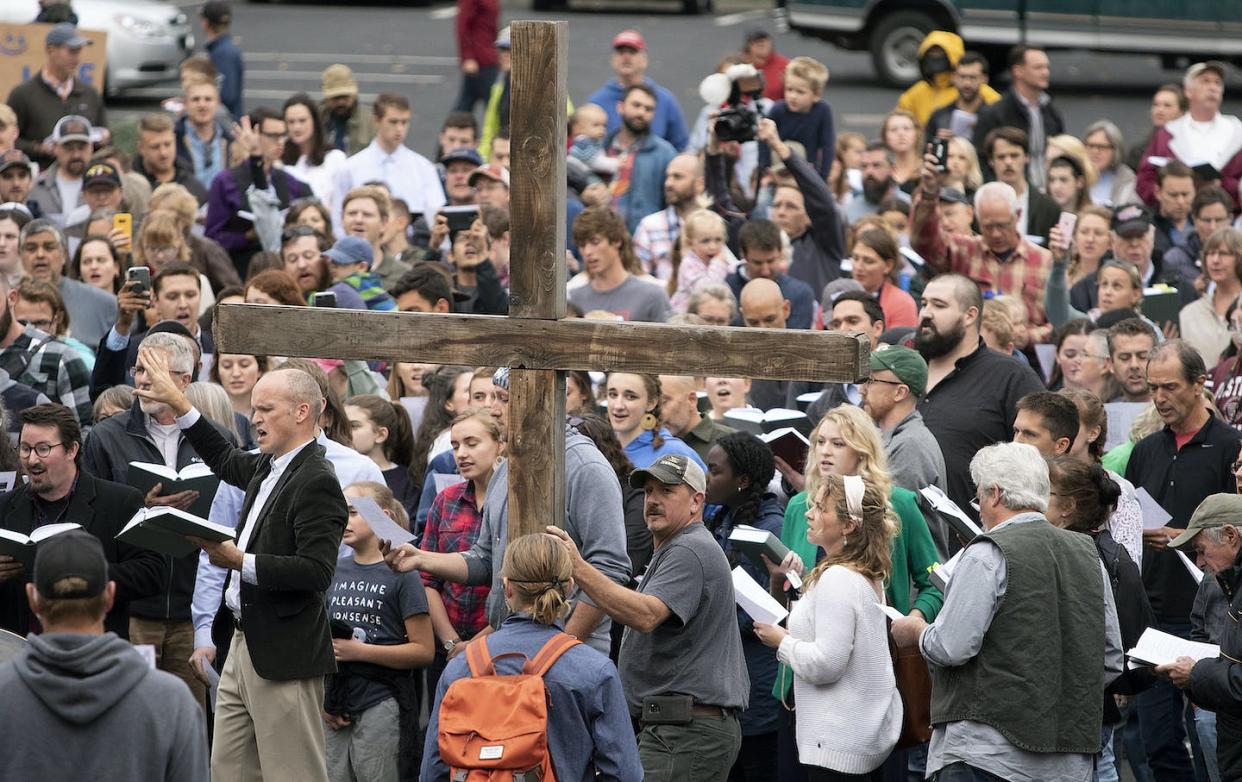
(924, 97)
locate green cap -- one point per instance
(906, 364)
(1216, 511)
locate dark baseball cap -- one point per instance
(462, 154)
(101, 174)
(75, 554)
(673, 469)
(15, 158)
(951, 195)
(66, 34)
(1131, 219)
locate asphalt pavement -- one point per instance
(411, 49)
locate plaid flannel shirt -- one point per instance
(1025, 273)
(50, 367)
(452, 527)
(653, 241)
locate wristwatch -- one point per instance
(449, 645)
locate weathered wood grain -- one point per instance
(536, 450)
(483, 340)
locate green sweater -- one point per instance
(913, 553)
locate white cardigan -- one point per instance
(848, 708)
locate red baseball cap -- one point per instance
(631, 38)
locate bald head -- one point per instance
(683, 181)
(763, 305)
(287, 404)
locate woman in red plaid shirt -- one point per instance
(458, 611)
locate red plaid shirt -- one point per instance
(1024, 273)
(453, 527)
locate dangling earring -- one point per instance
(844, 541)
(649, 421)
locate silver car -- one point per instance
(147, 39)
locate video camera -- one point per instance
(739, 121)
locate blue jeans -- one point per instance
(1205, 726)
(1105, 759)
(1160, 711)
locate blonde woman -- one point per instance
(847, 442)
(963, 164)
(589, 728)
(849, 710)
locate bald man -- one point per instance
(679, 411)
(763, 306)
(657, 232)
(972, 392)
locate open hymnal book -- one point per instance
(789, 444)
(193, 477)
(755, 600)
(941, 572)
(1159, 648)
(963, 525)
(22, 547)
(165, 529)
(757, 422)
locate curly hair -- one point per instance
(861, 435)
(751, 458)
(871, 555)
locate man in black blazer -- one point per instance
(1026, 106)
(59, 491)
(273, 621)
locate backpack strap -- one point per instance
(550, 653)
(479, 658)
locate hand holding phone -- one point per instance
(1065, 227)
(123, 229)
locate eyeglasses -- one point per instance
(42, 450)
(1099, 147)
(871, 380)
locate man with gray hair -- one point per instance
(1035, 600)
(274, 621)
(148, 432)
(1000, 259)
(44, 253)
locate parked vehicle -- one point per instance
(147, 39)
(891, 30)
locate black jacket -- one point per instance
(1134, 615)
(1042, 214)
(285, 616)
(1179, 480)
(102, 508)
(1217, 684)
(109, 449)
(183, 174)
(1011, 111)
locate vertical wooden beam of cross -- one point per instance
(536, 443)
(536, 342)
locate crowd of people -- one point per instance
(1055, 324)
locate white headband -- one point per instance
(855, 487)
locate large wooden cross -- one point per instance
(536, 340)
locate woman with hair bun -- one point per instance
(589, 728)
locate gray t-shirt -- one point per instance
(379, 601)
(697, 651)
(633, 299)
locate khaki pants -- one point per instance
(266, 730)
(173, 640)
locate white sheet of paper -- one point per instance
(1047, 355)
(446, 479)
(1193, 569)
(1154, 516)
(1121, 417)
(148, 653)
(755, 600)
(794, 579)
(383, 527)
(8, 480)
(890, 612)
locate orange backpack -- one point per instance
(495, 727)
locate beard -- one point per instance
(874, 190)
(344, 112)
(635, 125)
(935, 344)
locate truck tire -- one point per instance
(894, 46)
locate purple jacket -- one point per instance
(227, 197)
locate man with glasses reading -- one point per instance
(60, 491)
(229, 219)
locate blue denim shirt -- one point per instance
(589, 726)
